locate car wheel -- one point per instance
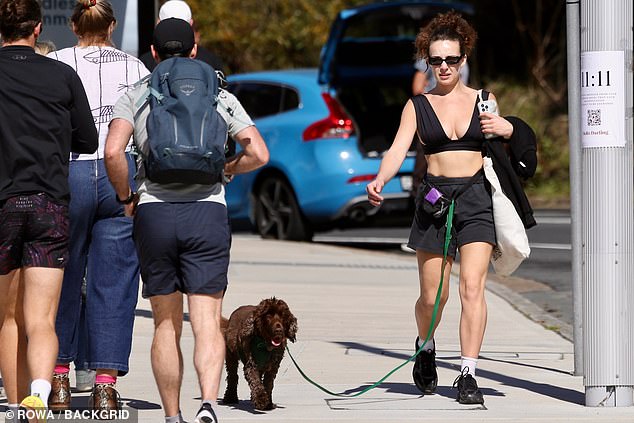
(277, 214)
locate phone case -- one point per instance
(490, 106)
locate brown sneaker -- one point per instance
(104, 397)
(60, 393)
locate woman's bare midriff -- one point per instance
(454, 164)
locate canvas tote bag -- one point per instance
(512, 243)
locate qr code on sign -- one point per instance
(594, 117)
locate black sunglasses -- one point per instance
(450, 60)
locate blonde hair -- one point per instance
(44, 47)
(91, 21)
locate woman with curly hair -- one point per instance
(447, 123)
(102, 250)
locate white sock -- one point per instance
(14, 409)
(41, 388)
(470, 364)
(429, 345)
(174, 419)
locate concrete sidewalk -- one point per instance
(355, 318)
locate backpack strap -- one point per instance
(144, 100)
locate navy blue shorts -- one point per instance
(182, 247)
(472, 221)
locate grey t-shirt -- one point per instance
(152, 192)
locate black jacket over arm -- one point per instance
(509, 181)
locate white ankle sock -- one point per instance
(41, 388)
(470, 364)
(429, 345)
(175, 419)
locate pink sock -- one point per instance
(105, 379)
(61, 369)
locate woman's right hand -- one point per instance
(374, 189)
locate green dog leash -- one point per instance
(449, 225)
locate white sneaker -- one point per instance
(206, 414)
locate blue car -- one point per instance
(327, 128)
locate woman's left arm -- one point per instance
(494, 124)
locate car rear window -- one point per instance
(264, 99)
(404, 21)
(384, 37)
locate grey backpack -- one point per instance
(186, 134)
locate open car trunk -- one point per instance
(368, 62)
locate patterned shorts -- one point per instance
(33, 232)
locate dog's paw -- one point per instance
(264, 407)
(230, 399)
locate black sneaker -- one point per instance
(206, 414)
(424, 373)
(468, 391)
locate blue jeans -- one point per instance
(102, 250)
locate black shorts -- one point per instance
(182, 247)
(472, 221)
(33, 232)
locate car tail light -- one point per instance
(361, 178)
(337, 125)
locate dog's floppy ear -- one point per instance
(247, 328)
(262, 309)
(290, 322)
(291, 332)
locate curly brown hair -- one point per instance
(446, 26)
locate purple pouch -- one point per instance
(433, 195)
(434, 202)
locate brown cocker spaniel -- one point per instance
(257, 335)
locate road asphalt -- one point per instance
(355, 318)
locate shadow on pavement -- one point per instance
(563, 394)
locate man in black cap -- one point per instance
(181, 233)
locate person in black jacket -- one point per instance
(44, 114)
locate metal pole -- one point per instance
(608, 184)
(576, 204)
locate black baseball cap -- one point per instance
(173, 37)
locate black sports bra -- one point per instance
(430, 130)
